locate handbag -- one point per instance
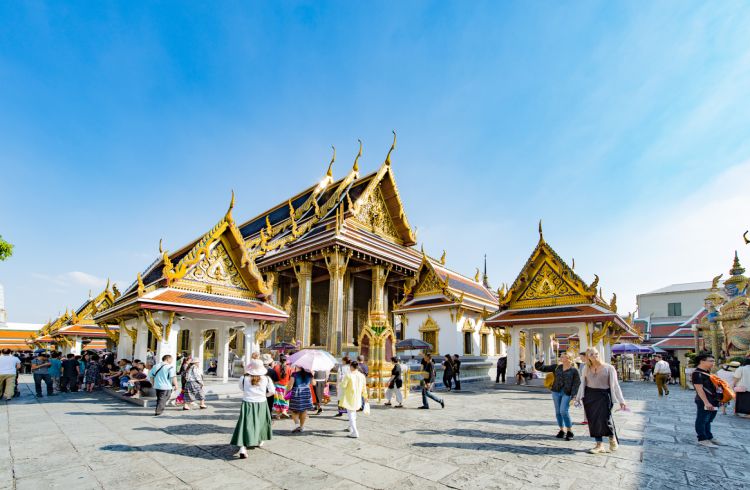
(366, 408)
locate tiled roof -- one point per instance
(676, 343)
(684, 287)
(557, 314)
(212, 303)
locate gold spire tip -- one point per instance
(356, 160)
(329, 173)
(161, 250)
(393, 147)
(541, 233)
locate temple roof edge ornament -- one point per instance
(393, 147)
(355, 167)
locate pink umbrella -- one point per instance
(313, 360)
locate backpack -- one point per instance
(549, 380)
(722, 389)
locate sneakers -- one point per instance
(353, 435)
(560, 434)
(442, 404)
(569, 436)
(598, 449)
(423, 408)
(716, 442)
(387, 404)
(398, 406)
(706, 443)
(613, 445)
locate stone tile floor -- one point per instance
(488, 436)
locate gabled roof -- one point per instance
(547, 280)
(435, 285)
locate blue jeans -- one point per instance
(562, 406)
(703, 421)
(428, 394)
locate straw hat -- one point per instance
(733, 365)
(256, 368)
(267, 359)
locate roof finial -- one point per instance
(737, 269)
(541, 234)
(106, 288)
(356, 160)
(574, 263)
(161, 250)
(443, 258)
(744, 235)
(231, 206)
(393, 147)
(485, 277)
(329, 173)
(476, 276)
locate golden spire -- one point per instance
(329, 173)
(228, 216)
(476, 276)
(393, 147)
(541, 234)
(269, 228)
(106, 288)
(161, 250)
(442, 258)
(356, 160)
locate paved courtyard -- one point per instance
(486, 437)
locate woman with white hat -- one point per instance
(254, 425)
(193, 388)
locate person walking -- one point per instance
(343, 371)
(254, 423)
(706, 400)
(40, 370)
(70, 371)
(301, 399)
(662, 372)
(91, 375)
(267, 361)
(280, 402)
(394, 385)
(321, 379)
(448, 372)
(164, 380)
(232, 358)
(55, 370)
(502, 367)
(564, 388)
(457, 371)
(599, 389)
(427, 382)
(581, 364)
(193, 387)
(9, 366)
(726, 372)
(741, 384)
(353, 395)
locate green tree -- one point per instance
(6, 249)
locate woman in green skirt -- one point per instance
(254, 424)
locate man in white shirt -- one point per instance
(662, 372)
(9, 366)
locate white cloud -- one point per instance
(72, 279)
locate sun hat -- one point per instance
(267, 359)
(733, 364)
(255, 368)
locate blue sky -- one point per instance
(618, 123)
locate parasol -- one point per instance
(283, 346)
(313, 360)
(412, 344)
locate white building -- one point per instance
(673, 303)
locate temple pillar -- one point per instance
(336, 262)
(514, 352)
(168, 343)
(222, 353)
(251, 345)
(303, 271)
(77, 345)
(529, 349)
(124, 344)
(272, 279)
(349, 309)
(583, 337)
(377, 305)
(140, 351)
(546, 344)
(196, 345)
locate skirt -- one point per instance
(193, 391)
(301, 399)
(253, 426)
(597, 403)
(742, 404)
(280, 403)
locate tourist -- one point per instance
(394, 385)
(706, 400)
(599, 389)
(319, 389)
(150, 358)
(427, 382)
(523, 375)
(91, 375)
(448, 372)
(164, 380)
(284, 375)
(254, 424)
(342, 372)
(581, 362)
(70, 370)
(232, 358)
(502, 367)
(9, 366)
(674, 369)
(81, 371)
(726, 372)
(741, 384)
(137, 381)
(646, 369)
(301, 397)
(268, 363)
(353, 392)
(662, 372)
(457, 371)
(193, 387)
(40, 369)
(362, 365)
(55, 370)
(564, 387)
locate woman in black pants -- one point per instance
(448, 372)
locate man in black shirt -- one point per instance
(502, 366)
(429, 367)
(706, 399)
(70, 370)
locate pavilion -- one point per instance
(549, 299)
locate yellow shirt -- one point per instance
(354, 387)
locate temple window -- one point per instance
(485, 343)
(468, 344)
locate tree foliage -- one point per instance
(6, 249)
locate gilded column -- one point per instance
(377, 305)
(336, 261)
(349, 308)
(272, 280)
(303, 271)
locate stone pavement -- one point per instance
(487, 436)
